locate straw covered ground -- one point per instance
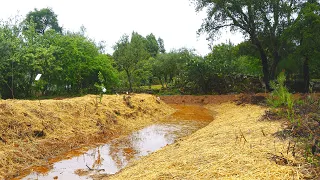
(33, 133)
(236, 145)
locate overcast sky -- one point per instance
(175, 21)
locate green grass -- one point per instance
(153, 87)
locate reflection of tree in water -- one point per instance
(122, 151)
(97, 160)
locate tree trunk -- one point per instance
(264, 61)
(166, 81)
(276, 60)
(306, 74)
(29, 86)
(161, 81)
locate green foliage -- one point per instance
(69, 62)
(143, 74)
(225, 59)
(100, 85)
(305, 30)
(161, 46)
(303, 35)
(221, 71)
(170, 68)
(128, 54)
(11, 68)
(263, 22)
(248, 65)
(152, 45)
(44, 19)
(280, 97)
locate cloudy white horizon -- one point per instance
(176, 22)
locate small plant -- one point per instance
(100, 86)
(303, 115)
(281, 97)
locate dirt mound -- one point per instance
(236, 145)
(33, 132)
(208, 99)
(192, 112)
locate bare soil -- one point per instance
(200, 100)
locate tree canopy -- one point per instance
(44, 19)
(263, 22)
(279, 35)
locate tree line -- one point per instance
(282, 32)
(280, 35)
(68, 61)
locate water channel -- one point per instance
(110, 158)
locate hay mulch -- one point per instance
(36, 133)
(236, 145)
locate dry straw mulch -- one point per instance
(34, 132)
(236, 145)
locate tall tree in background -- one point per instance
(305, 35)
(128, 54)
(161, 46)
(152, 45)
(44, 19)
(262, 21)
(10, 42)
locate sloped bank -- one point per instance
(236, 145)
(35, 133)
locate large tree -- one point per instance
(262, 21)
(44, 19)
(304, 34)
(9, 58)
(152, 45)
(161, 45)
(128, 54)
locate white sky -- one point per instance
(175, 21)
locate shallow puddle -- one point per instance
(114, 156)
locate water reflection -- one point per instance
(112, 157)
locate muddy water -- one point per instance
(112, 157)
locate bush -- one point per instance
(304, 117)
(281, 97)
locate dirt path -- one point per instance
(236, 145)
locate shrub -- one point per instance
(304, 117)
(281, 97)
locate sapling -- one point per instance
(281, 97)
(100, 86)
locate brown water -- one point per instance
(112, 157)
